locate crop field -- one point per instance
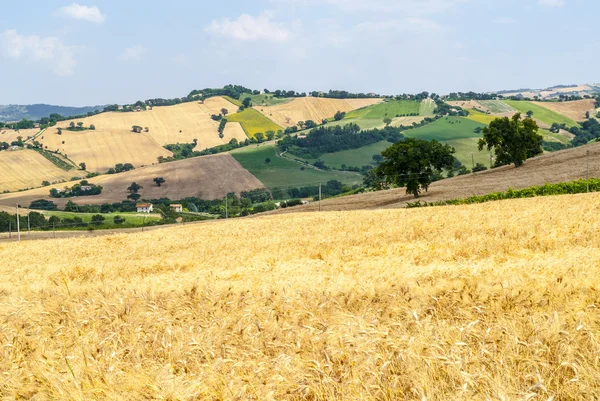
(480, 117)
(206, 177)
(354, 157)
(464, 147)
(312, 108)
(497, 106)
(427, 107)
(366, 305)
(22, 169)
(282, 172)
(101, 149)
(131, 219)
(574, 110)
(9, 135)
(181, 123)
(469, 105)
(542, 114)
(445, 129)
(265, 99)
(253, 122)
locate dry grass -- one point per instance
(468, 105)
(575, 110)
(25, 168)
(497, 301)
(11, 135)
(311, 108)
(206, 177)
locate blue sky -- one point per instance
(100, 51)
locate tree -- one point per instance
(377, 158)
(513, 140)
(59, 131)
(134, 196)
(97, 219)
(72, 125)
(247, 102)
(530, 114)
(479, 167)
(270, 135)
(412, 163)
(118, 220)
(92, 127)
(339, 115)
(260, 137)
(45, 183)
(224, 111)
(82, 166)
(136, 128)
(159, 181)
(387, 121)
(80, 124)
(301, 125)
(267, 160)
(134, 187)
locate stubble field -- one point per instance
(490, 301)
(26, 168)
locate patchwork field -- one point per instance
(497, 106)
(480, 117)
(445, 129)
(265, 99)
(574, 110)
(366, 305)
(354, 157)
(542, 114)
(26, 168)
(285, 173)
(469, 105)
(253, 122)
(311, 108)
(206, 177)
(101, 149)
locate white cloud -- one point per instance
(47, 50)
(249, 28)
(551, 3)
(82, 13)
(134, 53)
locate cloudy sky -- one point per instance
(102, 51)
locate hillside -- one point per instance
(311, 108)
(26, 168)
(207, 177)
(15, 112)
(562, 166)
(453, 303)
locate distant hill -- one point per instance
(554, 92)
(15, 112)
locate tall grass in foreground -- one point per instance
(497, 301)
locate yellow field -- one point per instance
(496, 301)
(11, 135)
(311, 108)
(25, 168)
(103, 148)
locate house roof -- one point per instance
(176, 205)
(143, 205)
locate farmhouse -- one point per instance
(177, 208)
(86, 188)
(144, 207)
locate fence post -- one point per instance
(18, 224)
(319, 197)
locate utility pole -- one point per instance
(9, 229)
(18, 224)
(473, 161)
(226, 207)
(587, 172)
(490, 160)
(28, 224)
(319, 197)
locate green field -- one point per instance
(464, 147)
(232, 100)
(427, 108)
(480, 117)
(554, 137)
(284, 173)
(131, 219)
(496, 106)
(265, 99)
(253, 122)
(354, 157)
(446, 129)
(391, 109)
(541, 113)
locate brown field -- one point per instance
(406, 121)
(311, 108)
(575, 110)
(468, 105)
(562, 166)
(103, 148)
(168, 125)
(497, 301)
(11, 135)
(22, 169)
(206, 177)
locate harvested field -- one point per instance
(11, 135)
(497, 301)
(206, 177)
(406, 121)
(497, 106)
(565, 165)
(22, 169)
(469, 105)
(575, 110)
(311, 108)
(103, 148)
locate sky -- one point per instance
(102, 52)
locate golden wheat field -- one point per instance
(497, 301)
(25, 168)
(311, 108)
(575, 109)
(9, 136)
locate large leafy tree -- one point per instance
(513, 140)
(412, 163)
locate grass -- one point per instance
(389, 109)
(496, 106)
(131, 219)
(232, 100)
(541, 113)
(265, 100)
(446, 129)
(283, 172)
(464, 147)
(427, 108)
(354, 157)
(253, 122)
(473, 302)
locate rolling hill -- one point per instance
(22, 169)
(36, 111)
(207, 177)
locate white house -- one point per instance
(144, 207)
(177, 208)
